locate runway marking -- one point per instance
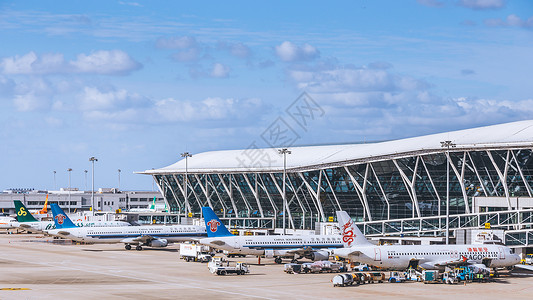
(143, 279)
(14, 289)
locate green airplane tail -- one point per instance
(23, 215)
(153, 204)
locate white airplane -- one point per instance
(430, 257)
(26, 221)
(7, 222)
(150, 235)
(314, 247)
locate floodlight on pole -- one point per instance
(85, 171)
(447, 145)
(92, 159)
(187, 205)
(284, 151)
(55, 184)
(69, 171)
(119, 179)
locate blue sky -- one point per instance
(137, 83)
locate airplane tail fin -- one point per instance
(213, 225)
(153, 204)
(60, 218)
(45, 208)
(23, 215)
(351, 235)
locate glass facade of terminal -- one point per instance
(395, 188)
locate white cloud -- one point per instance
(483, 4)
(220, 71)
(28, 102)
(236, 49)
(94, 99)
(339, 79)
(114, 62)
(214, 108)
(432, 3)
(177, 42)
(512, 21)
(290, 52)
(187, 55)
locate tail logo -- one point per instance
(22, 212)
(213, 225)
(347, 233)
(60, 219)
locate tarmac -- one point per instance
(36, 267)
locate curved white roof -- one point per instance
(513, 135)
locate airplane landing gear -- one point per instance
(138, 248)
(277, 260)
(128, 247)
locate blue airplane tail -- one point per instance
(213, 225)
(60, 218)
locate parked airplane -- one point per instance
(431, 257)
(149, 235)
(153, 208)
(7, 222)
(314, 247)
(26, 221)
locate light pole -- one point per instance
(186, 155)
(55, 185)
(85, 179)
(92, 159)
(119, 179)
(69, 171)
(284, 151)
(447, 145)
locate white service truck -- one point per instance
(195, 252)
(221, 267)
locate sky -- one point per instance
(137, 83)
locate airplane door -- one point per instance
(377, 254)
(501, 253)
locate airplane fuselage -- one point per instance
(110, 235)
(431, 256)
(276, 244)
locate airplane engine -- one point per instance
(158, 243)
(319, 255)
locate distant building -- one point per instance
(106, 199)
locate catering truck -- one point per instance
(194, 252)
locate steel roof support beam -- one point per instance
(215, 189)
(315, 198)
(382, 191)
(460, 178)
(229, 192)
(204, 189)
(360, 191)
(526, 184)
(254, 192)
(164, 179)
(502, 176)
(236, 184)
(410, 185)
(332, 189)
(187, 205)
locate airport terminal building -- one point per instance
(391, 188)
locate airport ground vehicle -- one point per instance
(412, 275)
(311, 268)
(195, 252)
(529, 259)
(343, 280)
(376, 276)
(219, 267)
(292, 268)
(396, 276)
(363, 277)
(430, 276)
(464, 273)
(449, 277)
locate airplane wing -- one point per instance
(139, 239)
(453, 262)
(63, 232)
